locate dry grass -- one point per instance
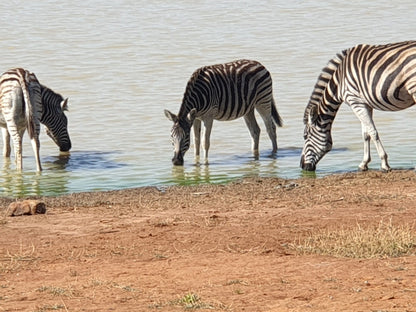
(12, 261)
(190, 301)
(54, 307)
(57, 291)
(383, 240)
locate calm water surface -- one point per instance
(122, 62)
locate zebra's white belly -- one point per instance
(231, 112)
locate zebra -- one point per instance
(24, 103)
(224, 92)
(366, 77)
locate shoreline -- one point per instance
(224, 246)
(305, 180)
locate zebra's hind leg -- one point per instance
(254, 129)
(6, 141)
(17, 145)
(383, 155)
(365, 115)
(271, 128)
(36, 147)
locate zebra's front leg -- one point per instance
(197, 139)
(270, 127)
(254, 129)
(373, 134)
(207, 135)
(382, 153)
(6, 141)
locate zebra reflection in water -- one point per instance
(24, 104)
(224, 92)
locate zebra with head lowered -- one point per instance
(224, 92)
(24, 104)
(366, 77)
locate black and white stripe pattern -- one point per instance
(366, 77)
(23, 105)
(224, 92)
(54, 119)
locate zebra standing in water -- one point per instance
(224, 92)
(365, 77)
(24, 103)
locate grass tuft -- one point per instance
(381, 241)
(54, 307)
(13, 261)
(190, 301)
(57, 291)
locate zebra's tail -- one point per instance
(29, 108)
(276, 117)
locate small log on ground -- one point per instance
(26, 207)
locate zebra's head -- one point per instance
(318, 140)
(180, 134)
(54, 119)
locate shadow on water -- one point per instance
(82, 160)
(265, 155)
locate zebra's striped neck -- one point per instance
(195, 95)
(51, 102)
(325, 94)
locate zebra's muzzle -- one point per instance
(65, 147)
(177, 160)
(306, 166)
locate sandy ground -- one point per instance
(221, 248)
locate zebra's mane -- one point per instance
(51, 96)
(187, 102)
(322, 82)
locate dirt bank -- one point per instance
(223, 248)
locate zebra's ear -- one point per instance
(171, 116)
(313, 115)
(191, 116)
(64, 105)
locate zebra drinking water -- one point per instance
(224, 92)
(24, 103)
(365, 77)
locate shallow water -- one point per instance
(121, 63)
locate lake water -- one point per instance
(121, 63)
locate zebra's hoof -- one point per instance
(363, 167)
